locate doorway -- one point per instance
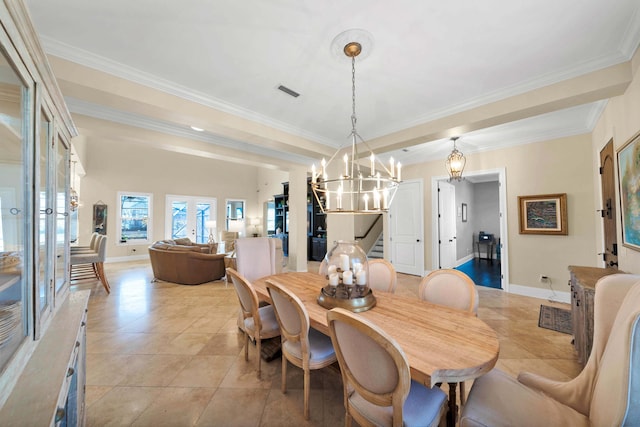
(609, 215)
(465, 239)
(406, 219)
(189, 216)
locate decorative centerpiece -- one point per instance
(347, 276)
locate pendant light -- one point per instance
(355, 191)
(455, 162)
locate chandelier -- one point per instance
(455, 162)
(355, 190)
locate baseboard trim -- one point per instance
(546, 294)
(127, 258)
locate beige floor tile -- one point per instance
(204, 371)
(175, 406)
(121, 406)
(229, 344)
(232, 407)
(287, 409)
(156, 370)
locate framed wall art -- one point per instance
(464, 212)
(543, 214)
(100, 218)
(629, 178)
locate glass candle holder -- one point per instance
(347, 278)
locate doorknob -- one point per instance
(418, 240)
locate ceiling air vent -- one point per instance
(289, 91)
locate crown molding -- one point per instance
(91, 60)
(78, 106)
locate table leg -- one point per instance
(452, 415)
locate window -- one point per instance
(134, 218)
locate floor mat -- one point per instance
(556, 319)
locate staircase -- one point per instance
(377, 250)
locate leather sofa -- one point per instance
(181, 261)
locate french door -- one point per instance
(192, 217)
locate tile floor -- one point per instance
(161, 354)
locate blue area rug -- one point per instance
(482, 272)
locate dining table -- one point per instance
(442, 344)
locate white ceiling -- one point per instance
(429, 60)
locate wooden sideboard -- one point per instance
(583, 285)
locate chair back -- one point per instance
(229, 239)
(256, 257)
(291, 314)
(247, 297)
(382, 275)
(101, 248)
(93, 240)
(371, 362)
(451, 288)
(615, 399)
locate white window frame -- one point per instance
(149, 238)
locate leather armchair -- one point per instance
(186, 264)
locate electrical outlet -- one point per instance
(543, 278)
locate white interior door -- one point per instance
(447, 224)
(406, 229)
(190, 216)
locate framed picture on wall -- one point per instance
(464, 212)
(629, 178)
(100, 218)
(543, 214)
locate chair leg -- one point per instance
(307, 381)
(462, 396)
(284, 374)
(258, 344)
(99, 266)
(347, 419)
(246, 346)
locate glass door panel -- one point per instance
(16, 206)
(191, 217)
(46, 165)
(62, 213)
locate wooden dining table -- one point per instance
(442, 345)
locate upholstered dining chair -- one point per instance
(451, 288)
(302, 345)
(382, 275)
(256, 257)
(90, 265)
(91, 247)
(258, 322)
(605, 393)
(229, 239)
(378, 390)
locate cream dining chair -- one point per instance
(257, 322)
(605, 393)
(451, 288)
(377, 385)
(90, 265)
(302, 345)
(382, 275)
